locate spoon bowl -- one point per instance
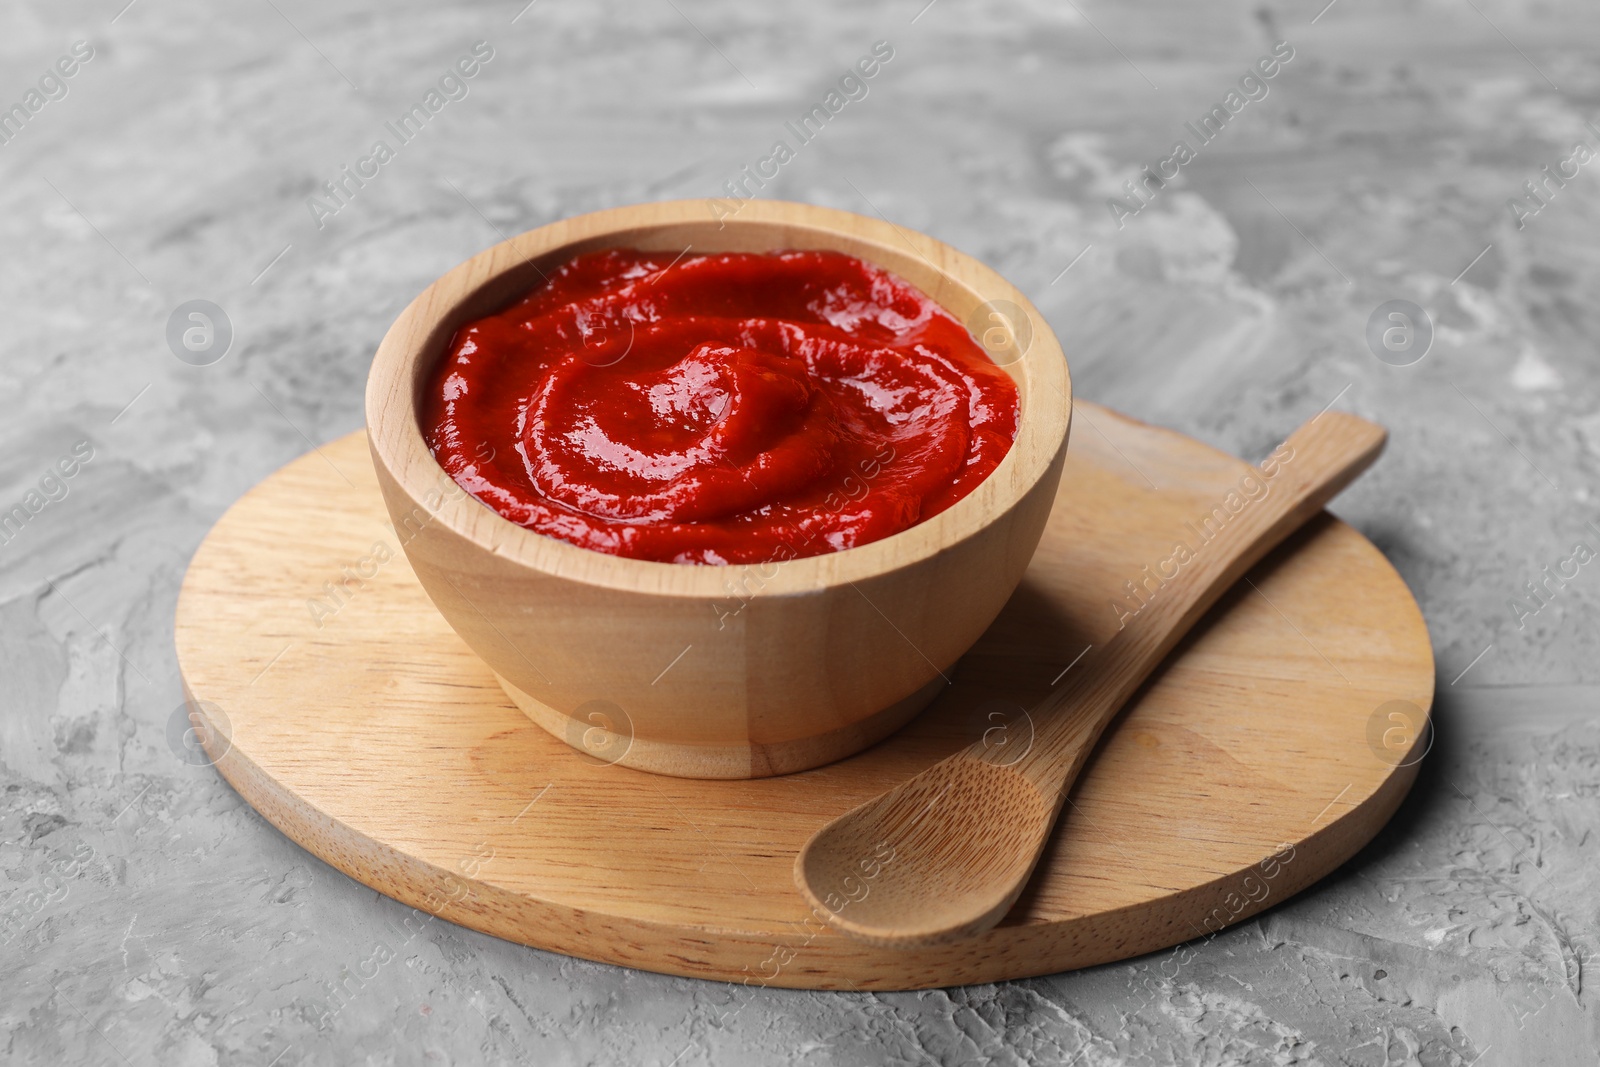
(941, 856)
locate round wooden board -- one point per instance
(1257, 760)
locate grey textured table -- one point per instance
(147, 916)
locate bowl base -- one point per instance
(598, 742)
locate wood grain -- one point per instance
(1244, 771)
(787, 666)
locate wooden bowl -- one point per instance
(704, 671)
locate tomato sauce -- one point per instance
(717, 409)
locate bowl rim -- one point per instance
(418, 337)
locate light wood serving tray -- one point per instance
(1262, 755)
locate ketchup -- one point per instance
(715, 409)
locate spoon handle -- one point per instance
(1167, 598)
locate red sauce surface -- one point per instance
(730, 408)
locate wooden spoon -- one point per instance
(945, 854)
